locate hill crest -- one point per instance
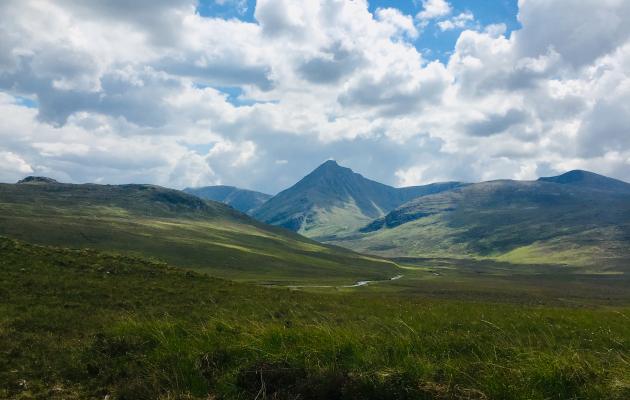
(36, 180)
(589, 180)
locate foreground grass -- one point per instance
(83, 324)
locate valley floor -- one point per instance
(78, 324)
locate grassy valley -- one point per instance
(174, 225)
(141, 292)
(79, 324)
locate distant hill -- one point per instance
(333, 200)
(33, 180)
(175, 227)
(242, 199)
(565, 219)
(586, 179)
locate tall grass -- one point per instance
(435, 351)
(82, 324)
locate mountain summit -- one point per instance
(589, 180)
(333, 199)
(36, 180)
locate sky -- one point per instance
(256, 94)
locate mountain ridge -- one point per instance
(519, 221)
(244, 200)
(588, 179)
(333, 199)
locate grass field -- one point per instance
(78, 324)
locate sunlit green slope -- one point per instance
(563, 220)
(173, 226)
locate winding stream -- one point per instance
(357, 284)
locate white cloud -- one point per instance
(434, 9)
(13, 166)
(460, 21)
(580, 31)
(398, 21)
(178, 99)
(411, 176)
(234, 154)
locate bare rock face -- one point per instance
(37, 180)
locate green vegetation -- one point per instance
(526, 295)
(177, 228)
(78, 324)
(591, 180)
(520, 222)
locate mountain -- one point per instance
(241, 199)
(566, 219)
(586, 179)
(34, 180)
(333, 200)
(175, 227)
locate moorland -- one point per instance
(502, 290)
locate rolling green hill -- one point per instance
(589, 180)
(553, 220)
(334, 200)
(175, 227)
(241, 199)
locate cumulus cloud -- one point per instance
(398, 21)
(330, 65)
(397, 91)
(579, 31)
(13, 166)
(493, 124)
(174, 98)
(460, 21)
(434, 9)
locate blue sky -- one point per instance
(433, 42)
(437, 44)
(256, 94)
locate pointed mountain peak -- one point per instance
(334, 199)
(330, 168)
(328, 164)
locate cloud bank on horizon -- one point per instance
(161, 92)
